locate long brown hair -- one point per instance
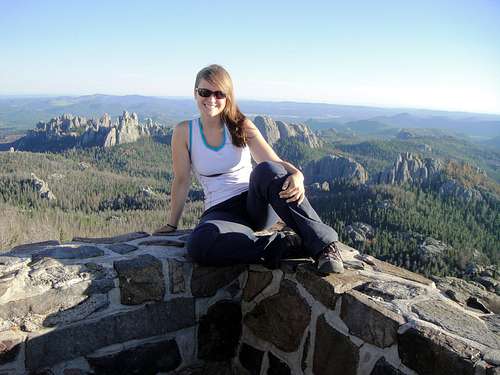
(231, 114)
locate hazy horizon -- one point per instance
(402, 108)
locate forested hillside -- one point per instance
(107, 191)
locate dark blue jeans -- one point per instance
(225, 234)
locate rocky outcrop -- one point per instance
(469, 294)
(431, 248)
(410, 168)
(455, 189)
(41, 187)
(360, 232)
(69, 131)
(335, 168)
(272, 131)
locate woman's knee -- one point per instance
(267, 171)
(200, 241)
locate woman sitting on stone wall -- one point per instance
(219, 146)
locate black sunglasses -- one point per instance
(206, 93)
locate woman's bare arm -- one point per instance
(182, 175)
(293, 187)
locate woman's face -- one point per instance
(210, 106)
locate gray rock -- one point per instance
(390, 269)
(370, 320)
(340, 358)
(256, 283)
(305, 352)
(82, 310)
(122, 248)
(69, 252)
(327, 289)
(488, 282)
(429, 351)
(454, 320)
(335, 168)
(148, 358)
(205, 281)
(42, 188)
(163, 243)
(272, 131)
(468, 294)
(410, 168)
(360, 232)
(492, 357)
(177, 272)
(116, 239)
(391, 290)
(454, 189)
(219, 332)
(251, 358)
(432, 249)
(277, 366)
(141, 279)
(382, 367)
(493, 322)
(280, 319)
(85, 337)
(31, 247)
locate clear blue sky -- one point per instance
(442, 54)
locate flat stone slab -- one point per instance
(122, 248)
(370, 320)
(141, 279)
(493, 322)
(26, 248)
(429, 351)
(148, 358)
(469, 295)
(251, 358)
(110, 240)
(326, 289)
(81, 311)
(335, 353)
(163, 243)
(206, 281)
(456, 321)
(382, 367)
(280, 319)
(256, 283)
(388, 268)
(69, 252)
(176, 233)
(87, 336)
(219, 332)
(277, 366)
(177, 273)
(391, 290)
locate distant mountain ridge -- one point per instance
(22, 112)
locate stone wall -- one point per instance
(136, 304)
(128, 304)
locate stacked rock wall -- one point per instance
(136, 304)
(128, 304)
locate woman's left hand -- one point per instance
(293, 188)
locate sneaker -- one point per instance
(330, 260)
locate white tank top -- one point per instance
(223, 171)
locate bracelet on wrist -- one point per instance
(172, 226)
